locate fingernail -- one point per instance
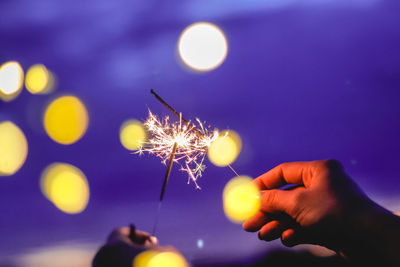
(154, 240)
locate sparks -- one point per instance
(191, 146)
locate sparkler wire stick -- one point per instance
(170, 162)
(233, 170)
(153, 233)
(168, 172)
(185, 121)
(177, 114)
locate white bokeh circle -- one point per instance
(202, 46)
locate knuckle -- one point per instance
(269, 198)
(330, 164)
(283, 165)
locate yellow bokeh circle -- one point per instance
(39, 80)
(13, 148)
(132, 134)
(66, 186)
(142, 259)
(241, 198)
(11, 80)
(225, 149)
(167, 259)
(202, 46)
(66, 120)
(151, 258)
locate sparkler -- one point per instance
(181, 142)
(198, 133)
(178, 142)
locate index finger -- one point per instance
(299, 172)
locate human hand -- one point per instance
(122, 246)
(317, 211)
(131, 236)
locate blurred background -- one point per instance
(291, 80)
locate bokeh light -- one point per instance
(142, 259)
(225, 149)
(241, 199)
(167, 259)
(152, 258)
(13, 148)
(66, 186)
(200, 243)
(202, 46)
(131, 134)
(39, 80)
(66, 120)
(11, 80)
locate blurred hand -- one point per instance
(131, 236)
(122, 246)
(326, 208)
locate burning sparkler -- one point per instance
(182, 142)
(178, 142)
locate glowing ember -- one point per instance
(191, 146)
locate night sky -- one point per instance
(303, 80)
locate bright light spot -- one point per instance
(167, 259)
(202, 46)
(142, 259)
(11, 80)
(241, 199)
(225, 149)
(66, 186)
(13, 148)
(200, 243)
(132, 134)
(181, 139)
(39, 80)
(66, 120)
(151, 258)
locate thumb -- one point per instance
(276, 200)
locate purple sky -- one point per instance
(302, 81)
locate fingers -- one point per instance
(145, 238)
(142, 238)
(270, 231)
(274, 229)
(256, 222)
(288, 238)
(294, 236)
(125, 235)
(286, 173)
(274, 203)
(275, 200)
(279, 229)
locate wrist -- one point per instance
(371, 235)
